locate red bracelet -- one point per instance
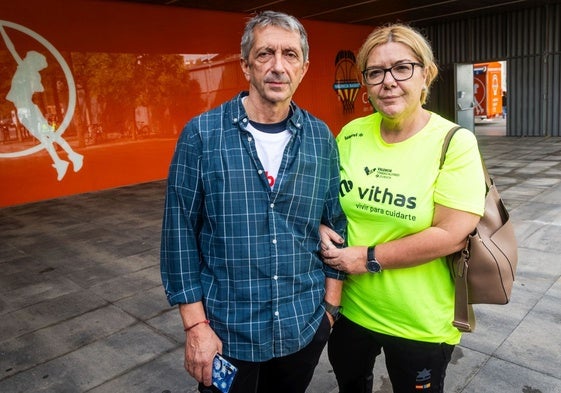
(198, 323)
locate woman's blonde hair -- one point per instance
(405, 35)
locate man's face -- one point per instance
(276, 64)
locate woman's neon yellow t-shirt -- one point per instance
(388, 191)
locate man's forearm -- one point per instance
(333, 289)
(192, 313)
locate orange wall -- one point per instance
(122, 57)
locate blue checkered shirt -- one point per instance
(249, 251)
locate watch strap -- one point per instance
(371, 253)
(372, 264)
(335, 311)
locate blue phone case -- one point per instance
(223, 373)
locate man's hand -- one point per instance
(201, 344)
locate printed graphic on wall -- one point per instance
(25, 82)
(347, 79)
(80, 119)
(487, 87)
(94, 95)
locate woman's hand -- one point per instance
(329, 238)
(346, 259)
(351, 260)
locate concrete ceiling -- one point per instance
(372, 12)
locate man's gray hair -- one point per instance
(277, 19)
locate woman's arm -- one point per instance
(447, 235)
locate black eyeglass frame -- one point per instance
(386, 70)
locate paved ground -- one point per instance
(82, 308)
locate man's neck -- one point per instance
(265, 112)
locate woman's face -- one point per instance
(396, 99)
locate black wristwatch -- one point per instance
(335, 311)
(372, 264)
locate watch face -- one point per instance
(373, 266)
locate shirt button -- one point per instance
(275, 277)
(260, 171)
(245, 120)
(272, 205)
(249, 139)
(274, 241)
(276, 313)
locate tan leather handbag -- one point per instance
(484, 270)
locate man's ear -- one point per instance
(305, 69)
(245, 68)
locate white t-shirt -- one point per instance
(270, 142)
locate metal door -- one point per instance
(464, 100)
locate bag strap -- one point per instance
(446, 143)
(464, 317)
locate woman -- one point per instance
(404, 215)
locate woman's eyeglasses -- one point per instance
(400, 72)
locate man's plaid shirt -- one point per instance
(249, 252)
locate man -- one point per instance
(249, 184)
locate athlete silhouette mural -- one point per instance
(26, 81)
